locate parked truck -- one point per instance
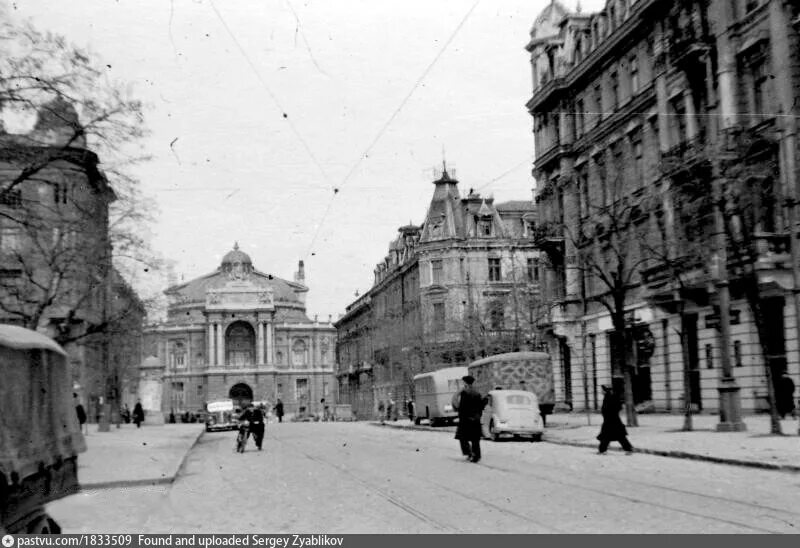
(40, 437)
(529, 371)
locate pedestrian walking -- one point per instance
(382, 412)
(326, 410)
(126, 414)
(279, 410)
(785, 395)
(138, 414)
(410, 410)
(612, 428)
(81, 412)
(390, 411)
(469, 403)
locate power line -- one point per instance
(270, 93)
(507, 172)
(391, 119)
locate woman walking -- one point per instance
(612, 428)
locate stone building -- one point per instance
(459, 286)
(242, 334)
(666, 167)
(56, 273)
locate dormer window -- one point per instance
(485, 228)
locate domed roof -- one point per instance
(57, 113)
(236, 256)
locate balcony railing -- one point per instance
(685, 154)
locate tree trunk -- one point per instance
(754, 301)
(621, 352)
(687, 381)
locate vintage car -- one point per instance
(221, 416)
(40, 437)
(511, 413)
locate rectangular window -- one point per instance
(495, 274)
(583, 181)
(678, 120)
(324, 389)
(598, 104)
(438, 317)
(497, 316)
(579, 109)
(199, 389)
(601, 179)
(301, 390)
(709, 357)
(634, 62)
(279, 391)
(614, 90)
(737, 353)
(760, 81)
(638, 160)
(533, 269)
(436, 271)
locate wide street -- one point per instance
(358, 478)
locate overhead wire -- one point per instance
(388, 122)
(271, 94)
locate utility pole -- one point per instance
(730, 406)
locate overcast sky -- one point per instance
(229, 166)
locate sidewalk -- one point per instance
(661, 434)
(130, 456)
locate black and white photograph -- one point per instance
(327, 272)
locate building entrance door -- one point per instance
(241, 394)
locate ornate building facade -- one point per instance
(242, 334)
(666, 161)
(56, 271)
(462, 285)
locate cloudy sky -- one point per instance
(260, 109)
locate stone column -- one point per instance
(270, 343)
(220, 345)
(260, 343)
(210, 340)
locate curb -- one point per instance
(144, 482)
(657, 452)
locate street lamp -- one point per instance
(729, 399)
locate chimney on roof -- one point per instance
(300, 276)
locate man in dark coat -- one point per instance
(469, 403)
(785, 395)
(138, 414)
(255, 419)
(279, 410)
(612, 428)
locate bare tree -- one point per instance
(58, 242)
(609, 259)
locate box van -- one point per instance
(433, 394)
(511, 413)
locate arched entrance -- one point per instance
(240, 344)
(241, 394)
